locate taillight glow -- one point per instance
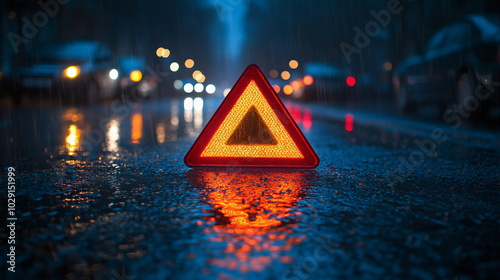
(349, 122)
(350, 81)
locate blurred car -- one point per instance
(460, 61)
(326, 82)
(135, 81)
(72, 71)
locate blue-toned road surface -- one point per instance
(102, 193)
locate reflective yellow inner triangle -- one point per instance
(285, 147)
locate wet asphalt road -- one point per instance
(102, 193)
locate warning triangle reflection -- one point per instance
(252, 130)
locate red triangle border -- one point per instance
(252, 72)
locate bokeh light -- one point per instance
(308, 80)
(350, 81)
(189, 63)
(178, 84)
(285, 75)
(113, 74)
(293, 64)
(200, 78)
(188, 88)
(388, 66)
(159, 52)
(296, 84)
(174, 66)
(162, 52)
(210, 89)
(198, 87)
(136, 75)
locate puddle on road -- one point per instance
(255, 218)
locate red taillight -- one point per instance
(350, 81)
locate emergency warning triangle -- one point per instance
(252, 128)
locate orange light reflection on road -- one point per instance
(136, 128)
(73, 139)
(254, 216)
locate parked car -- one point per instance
(71, 71)
(460, 62)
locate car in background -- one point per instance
(324, 82)
(459, 66)
(72, 71)
(135, 80)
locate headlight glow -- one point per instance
(136, 75)
(71, 72)
(113, 74)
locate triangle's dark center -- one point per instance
(252, 131)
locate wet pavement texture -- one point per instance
(103, 193)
